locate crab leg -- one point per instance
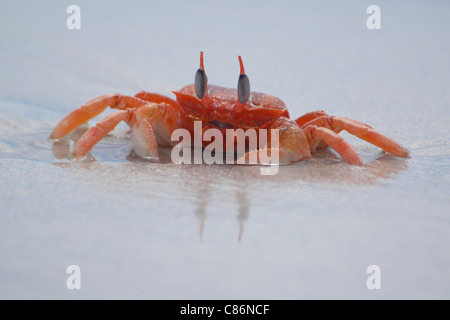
(359, 129)
(370, 135)
(335, 141)
(90, 138)
(309, 116)
(157, 98)
(151, 125)
(92, 109)
(142, 135)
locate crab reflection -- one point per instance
(201, 211)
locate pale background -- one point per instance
(160, 231)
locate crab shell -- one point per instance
(221, 109)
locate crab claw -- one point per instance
(143, 137)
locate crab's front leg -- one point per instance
(151, 125)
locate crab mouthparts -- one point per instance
(221, 125)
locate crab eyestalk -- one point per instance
(201, 80)
(243, 86)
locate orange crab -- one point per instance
(153, 118)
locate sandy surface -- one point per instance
(162, 231)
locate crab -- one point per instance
(153, 118)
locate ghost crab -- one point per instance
(153, 118)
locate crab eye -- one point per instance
(243, 86)
(201, 80)
(200, 83)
